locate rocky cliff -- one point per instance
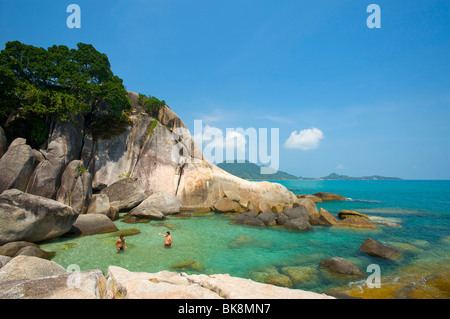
(152, 155)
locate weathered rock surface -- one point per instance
(16, 166)
(329, 196)
(374, 248)
(91, 224)
(248, 218)
(341, 266)
(310, 206)
(34, 252)
(326, 217)
(76, 187)
(99, 204)
(350, 213)
(166, 203)
(3, 142)
(26, 217)
(147, 213)
(28, 267)
(10, 249)
(298, 218)
(357, 222)
(125, 194)
(226, 205)
(314, 198)
(64, 146)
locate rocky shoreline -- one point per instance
(24, 277)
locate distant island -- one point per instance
(252, 171)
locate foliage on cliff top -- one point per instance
(38, 84)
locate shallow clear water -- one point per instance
(421, 208)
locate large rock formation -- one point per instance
(26, 217)
(17, 165)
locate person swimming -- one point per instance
(120, 244)
(169, 239)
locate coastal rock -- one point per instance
(282, 219)
(28, 267)
(114, 158)
(268, 218)
(4, 260)
(125, 194)
(163, 202)
(329, 196)
(341, 266)
(188, 264)
(64, 146)
(351, 214)
(298, 224)
(91, 224)
(374, 248)
(314, 198)
(3, 142)
(169, 119)
(147, 213)
(326, 217)
(11, 249)
(26, 217)
(99, 204)
(16, 166)
(357, 222)
(299, 274)
(34, 252)
(76, 187)
(123, 284)
(248, 218)
(90, 286)
(310, 206)
(239, 288)
(226, 205)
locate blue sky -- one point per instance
(379, 97)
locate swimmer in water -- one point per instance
(169, 239)
(120, 244)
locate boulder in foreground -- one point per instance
(27, 217)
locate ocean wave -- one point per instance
(363, 200)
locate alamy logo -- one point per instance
(236, 144)
(374, 20)
(74, 20)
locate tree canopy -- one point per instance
(42, 83)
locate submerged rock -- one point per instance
(341, 266)
(188, 264)
(329, 196)
(357, 222)
(350, 213)
(374, 248)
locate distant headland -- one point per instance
(248, 170)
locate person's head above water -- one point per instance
(168, 232)
(121, 236)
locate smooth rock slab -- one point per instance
(374, 248)
(27, 217)
(91, 224)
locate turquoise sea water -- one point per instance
(421, 209)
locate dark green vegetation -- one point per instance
(249, 170)
(151, 104)
(39, 86)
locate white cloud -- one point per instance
(305, 140)
(340, 167)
